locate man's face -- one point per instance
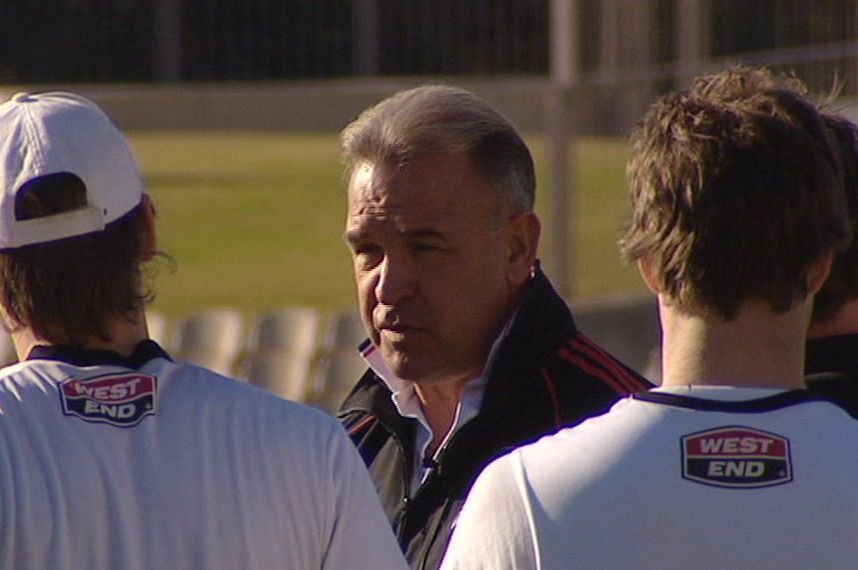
(432, 261)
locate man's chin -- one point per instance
(406, 367)
(405, 370)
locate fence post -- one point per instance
(564, 71)
(692, 41)
(365, 32)
(167, 40)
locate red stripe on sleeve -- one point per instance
(587, 366)
(631, 383)
(361, 425)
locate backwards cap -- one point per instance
(62, 133)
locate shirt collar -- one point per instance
(404, 396)
(725, 392)
(407, 402)
(145, 351)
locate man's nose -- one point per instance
(395, 280)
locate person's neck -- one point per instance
(845, 322)
(758, 349)
(440, 402)
(125, 335)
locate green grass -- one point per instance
(603, 210)
(254, 219)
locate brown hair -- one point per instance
(68, 291)
(736, 188)
(842, 283)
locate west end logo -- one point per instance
(736, 457)
(122, 400)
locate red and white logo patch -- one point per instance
(736, 457)
(122, 400)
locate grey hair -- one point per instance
(444, 119)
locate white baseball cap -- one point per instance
(62, 133)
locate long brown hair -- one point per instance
(69, 291)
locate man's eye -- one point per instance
(364, 248)
(365, 254)
(424, 247)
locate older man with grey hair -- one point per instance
(471, 352)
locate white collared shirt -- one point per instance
(407, 403)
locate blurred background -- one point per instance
(233, 106)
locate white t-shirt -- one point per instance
(171, 466)
(707, 478)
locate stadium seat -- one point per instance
(285, 330)
(282, 347)
(212, 338)
(339, 370)
(286, 374)
(344, 330)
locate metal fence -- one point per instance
(200, 40)
(50, 41)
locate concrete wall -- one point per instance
(328, 105)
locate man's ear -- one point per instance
(818, 272)
(522, 241)
(649, 274)
(149, 245)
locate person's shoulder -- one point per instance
(617, 415)
(12, 371)
(18, 382)
(212, 392)
(596, 443)
(39, 374)
(617, 419)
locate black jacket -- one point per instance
(831, 363)
(546, 375)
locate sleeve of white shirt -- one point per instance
(361, 536)
(495, 529)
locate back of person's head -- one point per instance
(842, 283)
(443, 119)
(736, 188)
(70, 225)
